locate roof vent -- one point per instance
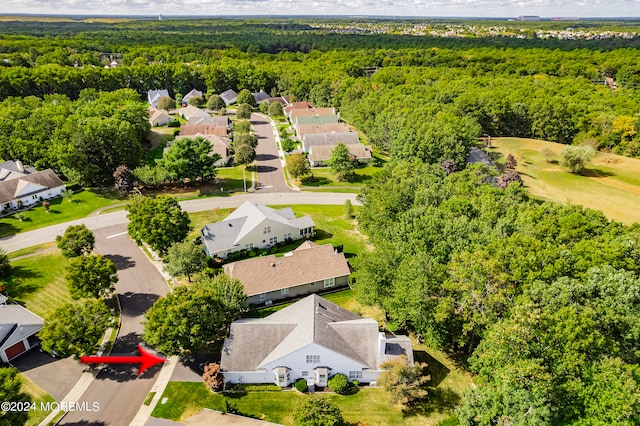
(230, 225)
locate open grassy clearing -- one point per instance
(369, 406)
(39, 283)
(611, 183)
(38, 395)
(60, 210)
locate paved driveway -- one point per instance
(270, 175)
(118, 389)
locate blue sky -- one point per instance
(460, 8)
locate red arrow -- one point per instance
(146, 359)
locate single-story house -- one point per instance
(229, 96)
(283, 100)
(158, 117)
(203, 129)
(320, 154)
(18, 327)
(29, 189)
(153, 96)
(309, 112)
(314, 119)
(309, 129)
(191, 111)
(191, 94)
(312, 339)
(296, 105)
(14, 169)
(260, 96)
(252, 226)
(219, 145)
(310, 268)
(315, 139)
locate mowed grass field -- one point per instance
(611, 183)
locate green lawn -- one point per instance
(38, 395)
(39, 283)
(325, 179)
(60, 210)
(369, 406)
(611, 183)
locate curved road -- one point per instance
(44, 235)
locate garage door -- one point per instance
(15, 350)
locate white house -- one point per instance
(18, 327)
(153, 96)
(312, 339)
(229, 96)
(23, 187)
(193, 93)
(252, 226)
(158, 117)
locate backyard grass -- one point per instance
(39, 283)
(611, 183)
(369, 405)
(38, 395)
(60, 210)
(325, 179)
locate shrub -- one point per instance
(288, 145)
(355, 383)
(576, 158)
(301, 385)
(213, 377)
(173, 123)
(339, 384)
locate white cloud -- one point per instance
(482, 8)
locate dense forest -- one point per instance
(541, 299)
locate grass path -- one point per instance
(611, 183)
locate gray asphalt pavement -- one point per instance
(270, 175)
(43, 235)
(117, 389)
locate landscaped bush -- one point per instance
(301, 385)
(174, 123)
(256, 387)
(339, 384)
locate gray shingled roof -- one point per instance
(229, 96)
(253, 343)
(226, 234)
(17, 323)
(12, 170)
(478, 156)
(153, 96)
(191, 94)
(36, 181)
(260, 96)
(315, 139)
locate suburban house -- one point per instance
(229, 96)
(18, 327)
(296, 105)
(260, 96)
(219, 145)
(312, 339)
(314, 139)
(310, 268)
(203, 129)
(307, 129)
(158, 117)
(191, 111)
(254, 226)
(153, 96)
(320, 154)
(191, 94)
(310, 112)
(24, 187)
(314, 119)
(283, 100)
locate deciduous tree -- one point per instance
(77, 240)
(185, 258)
(298, 165)
(11, 392)
(91, 276)
(576, 158)
(123, 178)
(197, 101)
(245, 154)
(166, 103)
(213, 378)
(318, 411)
(215, 103)
(340, 162)
(159, 221)
(76, 328)
(5, 265)
(243, 111)
(189, 159)
(275, 109)
(246, 97)
(405, 382)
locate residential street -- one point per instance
(270, 173)
(95, 222)
(118, 389)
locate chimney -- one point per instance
(382, 342)
(19, 165)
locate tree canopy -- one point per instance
(77, 240)
(185, 258)
(189, 159)
(91, 276)
(340, 162)
(11, 391)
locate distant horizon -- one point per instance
(426, 9)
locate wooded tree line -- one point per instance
(85, 140)
(544, 296)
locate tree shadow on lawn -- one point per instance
(19, 283)
(597, 173)
(435, 368)
(437, 401)
(322, 234)
(7, 229)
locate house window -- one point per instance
(263, 297)
(273, 240)
(7, 206)
(305, 374)
(329, 282)
(287, 236)
(284, 291)
(313, 359)
(281, 378)
(248, 246)
(35, 197)
(302, 232)
(322, 378)
(355, 375)
(266, 230)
